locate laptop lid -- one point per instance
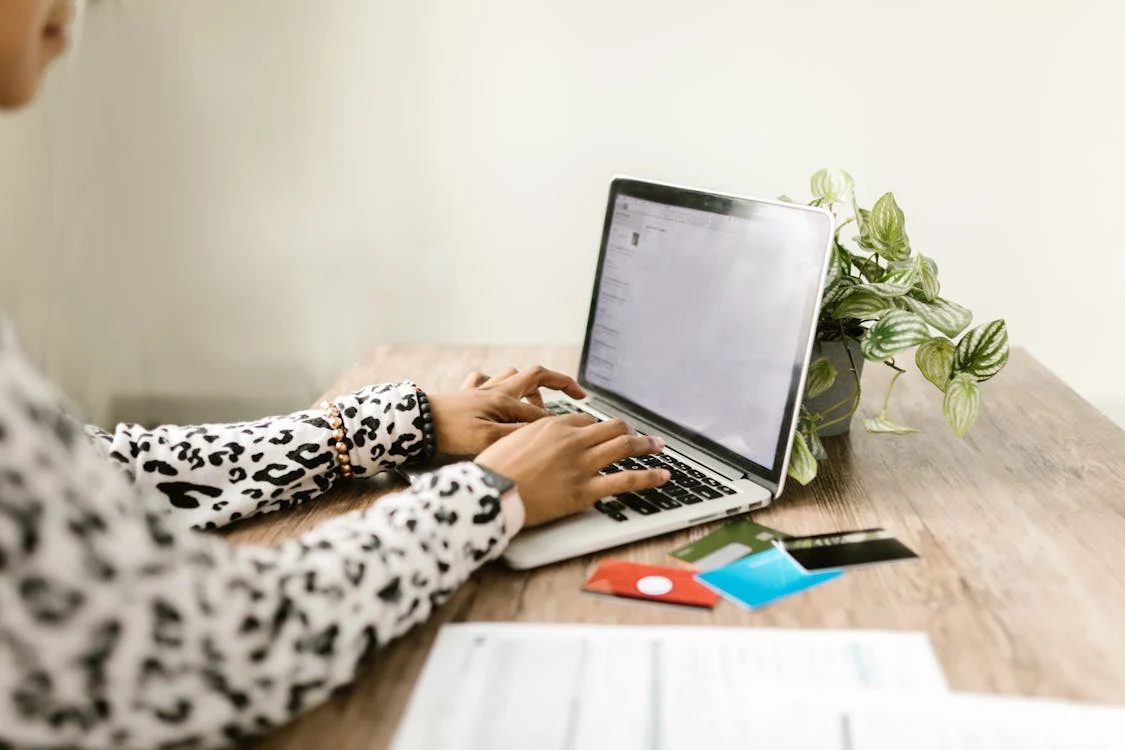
(703, 316)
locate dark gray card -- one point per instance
(845, 550)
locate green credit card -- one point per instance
(727, 544)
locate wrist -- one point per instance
(425, 423)
(511, 504)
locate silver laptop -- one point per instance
(700, 331)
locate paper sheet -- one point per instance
(953, 722)
(561, 687)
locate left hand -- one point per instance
(487, 409)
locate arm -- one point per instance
(210, 475)
(119, 629)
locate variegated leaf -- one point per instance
(926, 287)
(948, 317)
(894, 332)
(935, 360)
(884, 425)
(835, 270)
(862, 305)
(822, 374)
(983, 351)
(928, 280)
(837, 292)
(816, 446)
(832, 185)
(897, 281)
(962, 403)
(802, 463)
(884, 230)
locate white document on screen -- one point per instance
(563, 687)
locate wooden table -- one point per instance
(1021, 529)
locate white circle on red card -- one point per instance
(654, 585)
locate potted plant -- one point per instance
(882, 300)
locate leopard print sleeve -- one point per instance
(211, 475)
(119, 628)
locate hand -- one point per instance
(487, 409)
(555, 464)
(525, 384)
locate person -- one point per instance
(124, 624)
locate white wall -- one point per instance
(256, 190)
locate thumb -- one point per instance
(513, 410)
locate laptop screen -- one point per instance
(702, 315)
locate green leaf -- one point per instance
(785, 199)
(822, 374)
(861, 305)
(884, 230)
(816, 446)
(802, 463)
(884, 425)
(948, 317)
(983, 351)
(896, 331)
(832, 185)
(835, 270)
(897, 281)
(836, 293)
(935, 360)
(928, 280)
(962, 403)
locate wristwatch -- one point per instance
(498, 482)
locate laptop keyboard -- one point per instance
(688, 486)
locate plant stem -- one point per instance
(891, 387)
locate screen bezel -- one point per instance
(727, 205)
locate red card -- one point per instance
(652, 582)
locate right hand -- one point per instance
(555, 463)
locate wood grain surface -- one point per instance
(1020, 528)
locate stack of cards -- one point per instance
(750, 564)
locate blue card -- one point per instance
(759, 579)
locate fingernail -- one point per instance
(665, 474)
(657, 445)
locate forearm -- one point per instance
(191, 638)
(210, 475)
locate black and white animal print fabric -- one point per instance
(120, 626)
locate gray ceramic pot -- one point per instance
(843, 390)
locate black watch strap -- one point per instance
(498, 482)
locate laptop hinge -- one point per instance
(719, 466)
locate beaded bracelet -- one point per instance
(336, 422)
(429, 434)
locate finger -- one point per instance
(601, 432)
(505, 375)
(577, 420)
(627, 481)
(508, 409)
(536, 399)
(624, 446)
(537, 377)
(474, 380)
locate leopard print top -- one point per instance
(121, 625)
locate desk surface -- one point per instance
(1021, 529)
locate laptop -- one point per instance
(700, 331)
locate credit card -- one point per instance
(652, 582)
(762, 578)
(727, 544)
(845, 550)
